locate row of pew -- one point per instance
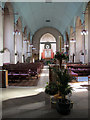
(23, 71)
(80, 69)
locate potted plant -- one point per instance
(61, 56)
(63, 104)
(51, 88)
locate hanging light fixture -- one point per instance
(62, 48)
(84, 32)
(26, 41)
(66, 45)
(16, 32)
(30, 45)
(34, 48)
(72, 40)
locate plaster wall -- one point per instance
(1, 37)
(8, 36)
(86, 38)
(89, 34)
(79, 40)
(18, 39)
(25, 47)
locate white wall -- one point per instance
(8, 34)
(79, 42)
(25, 47)
(18, 39)
(1, 36)
(89, 34)
(6, 56)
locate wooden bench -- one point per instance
(23, 70)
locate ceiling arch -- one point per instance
(58, 15)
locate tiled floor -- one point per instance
(30, 102)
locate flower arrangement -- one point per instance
(61, 55)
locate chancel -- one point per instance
(44, 58)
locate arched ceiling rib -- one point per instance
(35, 14)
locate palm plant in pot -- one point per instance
(63, 104)
(61, 56)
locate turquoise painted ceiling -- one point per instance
(34, 15)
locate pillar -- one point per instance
(1, 36)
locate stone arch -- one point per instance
(67, 41)
(79, 40)
(25, 31)
(47, 39)
(18, 39)
(25, 43)
(8, 37)
(39, 33)
(87, 37)
(72, 45)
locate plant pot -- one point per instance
(53, 102)
(64, 106)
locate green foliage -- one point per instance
(51, 88)
(61, 55)
(63, 79)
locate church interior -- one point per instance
(39, 41)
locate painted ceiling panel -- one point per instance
(35, 14)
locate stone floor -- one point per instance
(30, 102)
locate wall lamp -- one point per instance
(72, 40)
(26, 41)
(66, 45)
(16, 32)
(84, 32)
(30, 45)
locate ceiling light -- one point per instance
(48, 1)
(47, 20)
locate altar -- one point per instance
(47, 54)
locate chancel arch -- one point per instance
(47, 42)
(38, 34)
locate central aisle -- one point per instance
(18, 91)
(44, 77)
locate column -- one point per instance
(89, 34)
(1, 36)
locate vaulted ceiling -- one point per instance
(35, 14)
